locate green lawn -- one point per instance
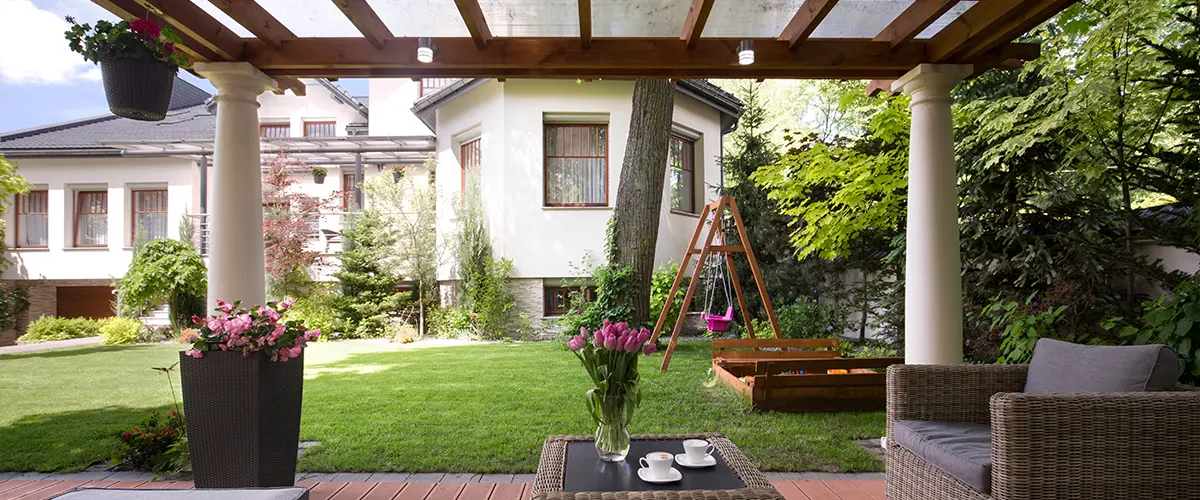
(475, 408)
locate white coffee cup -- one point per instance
(698, 450)
(659, 463)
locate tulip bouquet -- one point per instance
(610, 357)
(259, 328)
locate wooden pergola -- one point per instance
(920, 47)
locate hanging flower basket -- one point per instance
(318, 174)
(397, 173)
(138, 61)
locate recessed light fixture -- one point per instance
(746, 52)
(425, 50)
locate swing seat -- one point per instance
(719, 324)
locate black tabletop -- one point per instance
(586, 472)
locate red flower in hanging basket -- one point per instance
(145, 27)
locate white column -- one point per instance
(235, 270)
(933, 330)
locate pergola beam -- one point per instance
(256, 20)
(806, 20)
(1027, 19)
(607, 58)
(476, 24)
(296, 86)
(874, 87)
(693, 26)
(363, 17)
(914, 20)
(987, 25)
(585, 23)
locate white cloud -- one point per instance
(33, 49)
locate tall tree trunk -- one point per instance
(640, 192)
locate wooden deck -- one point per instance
(792, 490)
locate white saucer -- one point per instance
(674, 475)
(682, 459)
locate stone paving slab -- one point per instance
(352, 477)
(426, 478)
(496, 478)
(461, 478)
(390, 477)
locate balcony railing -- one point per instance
(324, 232)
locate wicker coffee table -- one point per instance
(571, 470)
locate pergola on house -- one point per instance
(919, 47)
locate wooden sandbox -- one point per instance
(772, 378)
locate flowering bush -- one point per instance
(611, 359)
(259, 328)
(144, 446)
(137, 39)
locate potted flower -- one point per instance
(138, 61)
(318, 174)
(243, 380)
(611, 358)
(397, 173)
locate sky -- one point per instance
(43, 82)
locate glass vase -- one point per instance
(612, 436)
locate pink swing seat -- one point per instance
(719, 323)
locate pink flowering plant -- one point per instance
(249, 330)
(137, 39)
(610, 356)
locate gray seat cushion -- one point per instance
(212, 494)
(961, 450)
(1059, 366)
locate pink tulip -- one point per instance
(577, 343)
(649, 349)
(610, 342)
(598, 339)
(632, 345)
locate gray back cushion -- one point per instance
(1059, 366)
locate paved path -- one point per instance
(346, 490)
(46, 346)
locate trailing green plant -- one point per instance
(1174, 320)
(14, 300)
(123, 331)
(369, 285)
(169, 271)
(806, 319)
(137, 39)
(48, 328)
(1022, 327)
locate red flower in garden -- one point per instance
(146, 27)
(169, 48)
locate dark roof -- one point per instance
(187, 119)
(728, 104)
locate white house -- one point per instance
(548, 154)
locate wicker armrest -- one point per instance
(1095, 445)
(953, 393)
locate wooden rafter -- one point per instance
(363, 17)
(476, 24)
(585, 23)
(296, 86)
(807, 18)
(187, 18)
(130, 10)
(914, 20)
(985, 25)
(693, 26)
(1013, 28)
(874, 87)
(257, 20)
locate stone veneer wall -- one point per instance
(530, 300)
(43, 301)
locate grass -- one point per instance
(474, 408)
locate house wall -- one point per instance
(317, 105)
(391, 104)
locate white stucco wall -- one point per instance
(1173, 259)
(318, 105)
(542, 241)
(391, 104)
(62, 177)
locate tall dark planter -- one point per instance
(138, 88)
(243, 418)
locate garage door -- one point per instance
(85, 301)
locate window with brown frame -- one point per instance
(471, 158)
(33, 219)
(320, 129)
(559, 298)
(431, 84)
(275, 130)
(681, 165)
(349, 188)
(576, 166)
(149, 214)
(91, 218)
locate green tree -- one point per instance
(483, 279)
(11, 184)
(369, 284)
(169, 271)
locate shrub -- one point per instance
(145, 447)
(123, 331)
(49, 328)
(660, 286)
(14, 300)
(1174, 320)
(1022, 328)
(168, 271)
(403, 334)
(316, 311)
(614, 301)
(368, 284)
(451, 322)
(806, 319)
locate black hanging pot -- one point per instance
(138, 88)
(396, 174)
(318, 178)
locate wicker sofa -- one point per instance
(1118, 445)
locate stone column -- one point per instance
(236, 261)
(933, 329)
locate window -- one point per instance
(91, 218)
(349, 187)
(576, 169)
(275, 130)
(320, 129)
(149, 214)
(33, 219)
(471, 157)
(431, 84)
(558, 298)
(681, 167)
